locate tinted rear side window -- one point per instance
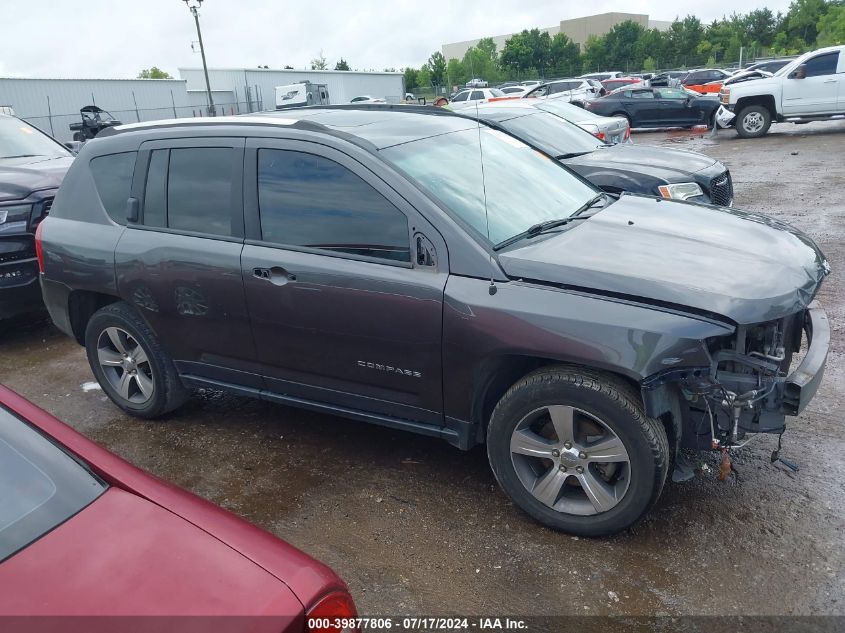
(308, 200)
(199, 190)
(113, 179)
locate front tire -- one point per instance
(130, 365)
(575, 450)
(753, 121)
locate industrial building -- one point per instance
(53, 104)
(577, 29)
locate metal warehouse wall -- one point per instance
(257, 86)
(53, 104)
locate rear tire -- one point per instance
(753, 121)
(624, 116)
(561, 481)
(130, 365)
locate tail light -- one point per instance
(39, 249)
(600, 136)
(627, 134)
(331, 612)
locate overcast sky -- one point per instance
(117, 38)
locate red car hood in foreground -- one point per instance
(145, 547)
(123, 555)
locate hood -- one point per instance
(755, 86)
(672, 165)
(123, 556)
(743, 266)
(20, 177)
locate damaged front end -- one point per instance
(757, 376)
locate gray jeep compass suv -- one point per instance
(413, 269)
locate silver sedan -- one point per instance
(612, 129)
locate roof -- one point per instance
(379, 125)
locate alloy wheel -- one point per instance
(570, 460)
(125, 365)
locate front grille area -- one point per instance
(8, 258)
(722, 189)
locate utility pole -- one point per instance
(194, 6)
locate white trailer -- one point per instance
(301, 94)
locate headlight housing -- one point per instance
(15, 213)
(681, 190)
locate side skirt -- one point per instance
(451, 435)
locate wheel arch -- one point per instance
(495, 375)
(767, 101)
(82, 304)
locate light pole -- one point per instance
(194, 5)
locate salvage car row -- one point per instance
(498, 276)
(808, 88)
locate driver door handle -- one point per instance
(275, 275)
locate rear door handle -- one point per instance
(275, 275)
(830, 81)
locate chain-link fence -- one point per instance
(58, 125)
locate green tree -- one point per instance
(455, 73)
(802, 20)
(565, 56)
(684, 37)
(424, 77)
(831, 27)
(761, 26)
(482, 60)
(341, 65)
(411, 79)
(516, 54)
(649, 65)
(319, 62)
(154, 73)
(437, 67)
(595, 55)
(621, 45)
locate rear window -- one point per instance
(41, 486)
(113, 179)
(552, 134)
(190, 189)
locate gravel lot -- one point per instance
(417, 527)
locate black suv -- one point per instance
(361, 262)
(32, 166)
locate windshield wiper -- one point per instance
(22, 156)
(537, 229)
(543, 227)
(590, 204)
(570, 155)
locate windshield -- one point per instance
(40, 485)
(792, 65)
(523, 186)
(565, 110)
(552, 134)
(19, 139)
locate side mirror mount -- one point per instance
(799, 73)
(132, 210)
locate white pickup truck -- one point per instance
(811, 88)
